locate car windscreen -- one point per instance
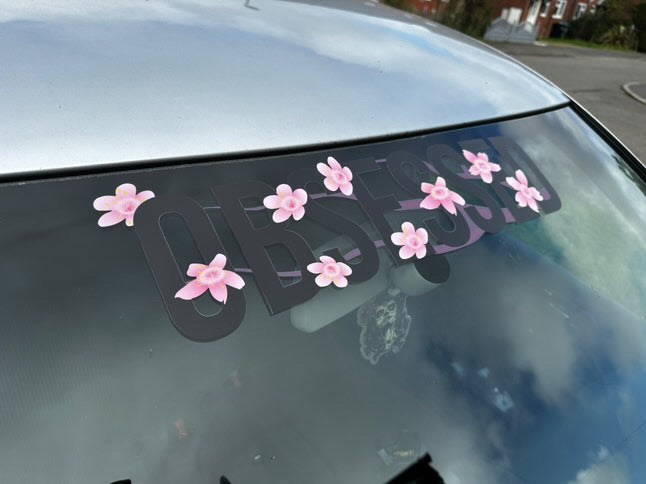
(330, 316)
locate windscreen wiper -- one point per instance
(420, 472)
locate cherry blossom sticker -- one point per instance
(287, 203)
(439, 194)
(337, 177)
(121, 206)
(330, 271)
(213, 277)
(481, 166)
(525, 195)
(413, 241)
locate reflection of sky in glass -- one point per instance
(103, 82)
(527, 362)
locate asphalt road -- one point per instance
(594, 78)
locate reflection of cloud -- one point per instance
(600, 229)
(378, 43)
(606, 470)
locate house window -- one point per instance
(580, 10)
(545, 6)
(560, 8)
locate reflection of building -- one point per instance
(549, 16)
(427, 7)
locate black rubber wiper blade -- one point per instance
(420, 472)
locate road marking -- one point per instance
(627, 88)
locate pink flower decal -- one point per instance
(287, 203)
(337, 177)
(213, 277)
(525, 195)
(413, 241)
(330, 271)
(438, 195)
(481, 166)
(122, 205)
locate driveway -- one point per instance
(594, 78)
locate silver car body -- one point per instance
(102, 83)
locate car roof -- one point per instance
(94, 83)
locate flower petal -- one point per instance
(330, 184)
(346, 270)
(130, 220)
(483, 156)
(520, 176)
(191, 290)
(340, 281)
(408, 228)
(322, 281)
(335, 165)
(512, 182)
(145, 195)
(299, 213)
(421, 252)
(219, 261)
(346, 189)
(323, 169)
(474, 170)
(315, 267)
(532, 204)
(219, 292)
(195, 269)
(521, 199)
(430, 203)
(280, 215)
(283, 190)
(441, 182)
(106, 202)
(470, 157)
(110, 218)
(234, 280)
(271, 201)
(494, 167)
(347, 172)
(397, 238)
(406, 252)
(300, 195)
(486, 177)
(427, 187)
(448, 205)
(457, 198)
(535, 193)
(423, 235)
(326, 259)
(126, 190)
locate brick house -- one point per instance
(550, 16)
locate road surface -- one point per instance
(594, 78)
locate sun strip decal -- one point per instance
(422, 239)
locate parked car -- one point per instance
(288, 242)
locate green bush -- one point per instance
(639, 18)
(612, 24)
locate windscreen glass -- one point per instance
(331, 316)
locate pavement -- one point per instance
(596, 79)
